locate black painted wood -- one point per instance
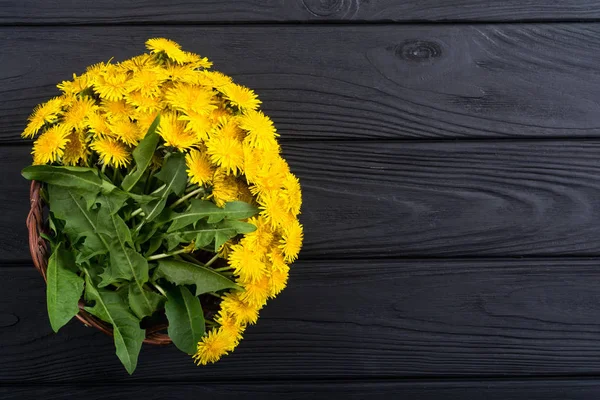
(349, 320)
(419, 199)
(235, 11)
(349, 82)
(546, 389)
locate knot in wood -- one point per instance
(331, 8)
(418, 50)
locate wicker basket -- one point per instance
(39, 252)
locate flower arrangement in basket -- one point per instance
(160, 201)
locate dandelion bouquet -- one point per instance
(168, 202)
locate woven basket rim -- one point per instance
(39, 250)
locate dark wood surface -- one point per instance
(256, 11)
(505, 81)
(451, 179)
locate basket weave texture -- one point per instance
(40, 253)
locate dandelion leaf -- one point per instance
(186, 319)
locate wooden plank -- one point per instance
(345, 320)
(422, 199)
(547, 389)
(336, 82)
(231, 11)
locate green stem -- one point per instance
(192, 259)
(222, 269)
(211, 323)
(214, 294)
(114, 177)
(161, 290)
(103, 168)
(187, 196)
(159, 189)
(136, 212)
(165, 255)
(212, 260)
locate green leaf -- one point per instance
(125, 262)
(143, 304)
(174, 176)
(204, 234)
(184, 273)
(70, 177)
(206, 209)
(78, 179)
(186, 319)
(142, 155)
(68, 205)
(128, 336)
(64, 288)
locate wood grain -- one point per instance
(235, 11)
(352, 82)
(349, 320)
(419, 199)
(546, 389)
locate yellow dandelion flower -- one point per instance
(77, 85)
(183, 97)
(212, 347)
(256, 293)
(96, 123)
(225, 152)
(144, 120)
(181, 73)
(173, 132)
(278, 278)
(147, 82)
(111, 152)
(270, 177)
(246, 263)
(200, 170)
(200, 124)
(224, 188)
(228, 127)
(110, 84)
(116, 110)
(215, 79)
(50, 146)
(291, 240)
(274, 208)
(277, 260)
(261, 238)
(255, 161)
(143, 103)
(138, 63)
(292, 193)
(243, 192)
(77, 114)
(95, 69)
(261, 132)
(126, 131)
(230, 327)
(244, 313)
(42, 114)
(240, 96)
(225, 249)
(169, 47)
(196, 61)
(76, 149)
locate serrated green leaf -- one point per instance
(64, 288)
(128, 336)
(84, 181)
(143, 304)
(69, 177)
(185, 273)
(206, 209)
(186, 319)
(68, 205)
(173, 174)
(142, 155)
(204, 233)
